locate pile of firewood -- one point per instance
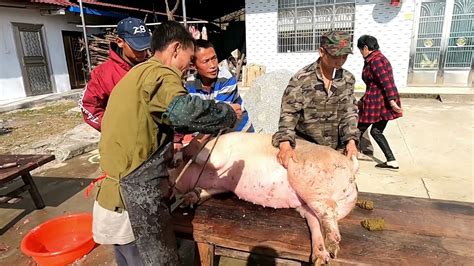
(99, 47)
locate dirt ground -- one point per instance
(21, 129)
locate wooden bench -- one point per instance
(417, 232)
(23, 164)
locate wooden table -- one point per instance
(26, 163)
(417, 232)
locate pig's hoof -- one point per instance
(333, 249)
(332, 244)
(320, 262)
(190, 198)
(322, 258)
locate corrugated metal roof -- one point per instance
(197, 10)
(64, 3)
(97, 3)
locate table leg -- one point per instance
(35, 195)
(205, 252)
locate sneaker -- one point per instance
(388, 165)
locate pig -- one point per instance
(320, 185)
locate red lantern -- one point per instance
(395, 3)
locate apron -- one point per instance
(144, 192)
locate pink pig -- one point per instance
(321, 185)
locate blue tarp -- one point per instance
(96, 12)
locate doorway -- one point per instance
(75, 58)
(33, 58)
(442, 52)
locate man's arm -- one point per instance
(291, 105)
(186, 114)
(233, 97)
(93, 101)
(348, 124)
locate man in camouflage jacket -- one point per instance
(318, 104)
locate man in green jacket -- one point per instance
(136, 148)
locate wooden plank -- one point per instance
(14, 193)
(419, 216)
(239, 225)
(240, 61)
(254, 258)
(206, 253)
(398, 248)
(26, 163)
(411, 204)
(244, 76)
(34, 192)
(405, 214)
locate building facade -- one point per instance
(33, 50)
(429, 43)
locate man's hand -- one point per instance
(351, 149)
(237, 109)
(395, 107)
(285, 154)
(195, 145)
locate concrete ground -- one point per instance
(433, 143)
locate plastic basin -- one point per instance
(61, 240)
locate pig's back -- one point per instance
(246, 164)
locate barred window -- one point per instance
(302, 22)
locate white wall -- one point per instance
(391, 26)
(11, 80)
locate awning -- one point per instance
(97, 12)
(103, 4)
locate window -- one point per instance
(302, 22)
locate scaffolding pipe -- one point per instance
(184, 14)
(89, 67)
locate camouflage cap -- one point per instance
(337, 42)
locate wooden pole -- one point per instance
(89, 67)
(184, 15)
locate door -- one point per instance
(74, 58)
(459, 62)
(33, 58)
(443, 47)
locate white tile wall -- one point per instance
(390, 25)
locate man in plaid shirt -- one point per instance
(381, 101)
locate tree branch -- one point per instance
(175, 6)
(170, 13)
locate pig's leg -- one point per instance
(208, 193)
(319, 253)
(331, 229)
(327, 215)
(317, 197)
(198, 196)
